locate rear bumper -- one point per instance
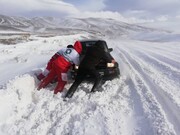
(107, 74)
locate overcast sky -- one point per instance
(143, 9)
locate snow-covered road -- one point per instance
(154, 77)
(145, 100)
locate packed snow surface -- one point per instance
(144, 100)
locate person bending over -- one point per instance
(65, 58)
(88, 66)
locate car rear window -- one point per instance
(91, 43)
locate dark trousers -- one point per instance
(81, 75)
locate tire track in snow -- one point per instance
(143, 123)
(168, 61)
(159, 54)
(165, 59)
(150, 107)
(170, 49)
(160, 74)
(170, 109)
(175, 66)
(171, 73)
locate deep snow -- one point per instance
(145, 100)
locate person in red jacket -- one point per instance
(42, 75)
(59, 66)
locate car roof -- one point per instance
(91, 40)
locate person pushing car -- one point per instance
(44, 73)
(88, 66)
(60, 64)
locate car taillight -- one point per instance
(76, 67)
(110, 65)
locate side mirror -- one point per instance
(110, 49)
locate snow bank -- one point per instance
(15, 97)
(28, 111)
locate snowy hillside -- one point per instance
(95, 26)
(145, 100)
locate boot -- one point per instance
(97, 85)
(40, 76)
(47, 80)
(59, 87)
(73, 87)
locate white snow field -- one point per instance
(144, 100)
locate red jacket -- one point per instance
(62, 64)
(63, 60)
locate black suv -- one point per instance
(107, 70)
